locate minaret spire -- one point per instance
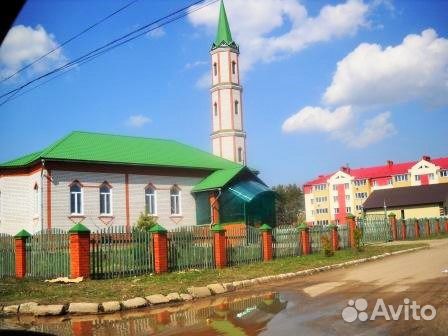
(228, 135)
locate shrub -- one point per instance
(358, 245)
(326, 245)
(145, 222)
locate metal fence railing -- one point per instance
(47, 254)
(190, 247)
(7, 256)
(114, 252)
(243, 245)
(285, 241)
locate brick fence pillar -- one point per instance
(20, 247)
(160, 248)
(334, 237)
(351, 223)
(403, 229)
(416, 229)
(393, 226)
(79, 251)
(266, 236)
(220, 246)
(304, 233)
(437, 226)
(446, 225)
(427, 228)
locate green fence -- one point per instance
(7, 256)
(190, 247)
(285, 241)
(375, 228)
(243, 245)
(411, 227)
(316, 234)
(47, 254)
(114, 252)
(343, 236)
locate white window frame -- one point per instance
(148, 197)
(444, 173)
(81, 208)
(348, 209)
(431, 176)
(418, 177)
(110, 213)
(336, 210)
(335, 199)
(347, 197)
(179, 201)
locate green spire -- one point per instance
(223, 36)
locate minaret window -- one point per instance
(240, 154)
(236, 106)
(215, 109)
(233, 67)
(215, 69)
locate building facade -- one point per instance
(329, 198)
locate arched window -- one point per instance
(175, 201)
(215, 109)
(76, 198)
(236, 106)
(105, 199)
(215, 69)
(233, 67)
(150, 200)
(36, 200)
(240, 154)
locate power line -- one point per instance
(110, 45)
(70, 40)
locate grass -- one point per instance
(15, 291)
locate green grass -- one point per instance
(15, 291)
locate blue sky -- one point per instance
(305, 115)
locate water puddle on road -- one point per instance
(244, 315)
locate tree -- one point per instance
(145, 222)
(290, 204)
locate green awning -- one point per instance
(248, 190)
(217, 179)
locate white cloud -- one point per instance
(204, 81)
(340, 125)
(23, 45)
(253, 23)
(318, 119)
(156, 33)
(415, 70)
(137, 121)
(196, 64)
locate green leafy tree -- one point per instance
(290, 204)
(145, 221)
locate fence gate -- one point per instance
(375, 228)
(243, 245)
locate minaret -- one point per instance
(228, 136)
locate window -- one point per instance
(375, 183)
(336, 210)
(233, 67)
(431, 176)
(240, 154)
(150, 200)
(236, 106)
(335, 199)
(320, 199)
(346, 185)
(175, 200)
(105, 199)
(215, 109)
(312, 201)
(322, 211)
(335, 187)
(400, 178)
(75, 198)
(359, 183)
(417, 177)
(389, 182)
(36, 200)
(348, 209)
(347, 197)
(361, 195)
(359, 208)
(320, 187)
(444, 173)
(215, 69)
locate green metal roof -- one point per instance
(223, 36)
(217, 179)
(117, 149)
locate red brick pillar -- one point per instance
(160, 248)
(304, 232)
(351, 223)
(220, 246)
(393, 226)
(437, 226)
(416, 229)
(266, 236)
(403, 229)
(446, 225)
(79, 251)
(20, 247)
(214, 204)
(334, 237)
(427, 228)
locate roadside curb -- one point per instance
(88, 308)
